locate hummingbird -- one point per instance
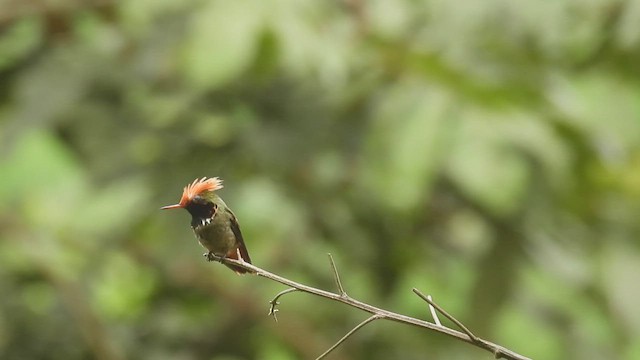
(214, 224)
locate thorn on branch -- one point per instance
(337, 277)
(447, 315)
(434, 314)
(274, 303)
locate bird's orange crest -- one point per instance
(198, 186)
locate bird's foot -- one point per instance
(210, 256)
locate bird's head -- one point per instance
(197, 197)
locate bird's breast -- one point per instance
(215, 236)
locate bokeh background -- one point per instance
(485, 152)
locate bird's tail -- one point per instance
(239, 253)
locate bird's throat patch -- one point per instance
(202, 214)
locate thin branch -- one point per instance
(274, 303)
(363, 323)
(434, 314)
(447, 315)
(497, 350)
(337, 277)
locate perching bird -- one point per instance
(214, 224)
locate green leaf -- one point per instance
(405, 144)
(621, 266)
(221, 42)
(122, 290)
(18, 40)
(40, 170)
(486, 166)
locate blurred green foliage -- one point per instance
(487, 153)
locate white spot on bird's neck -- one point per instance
(203, 222)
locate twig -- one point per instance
(497, 350)
(274, 302)
(434, 314)
(446, 314)
(337, 277)
(363, 323)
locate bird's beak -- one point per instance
(176, 206)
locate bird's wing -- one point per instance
(235, 227)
